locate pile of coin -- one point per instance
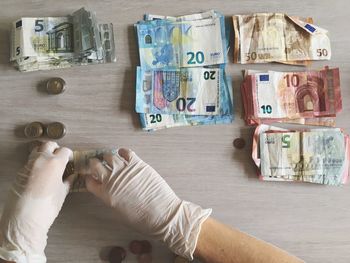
(53, 130)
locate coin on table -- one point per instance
(146, 246)
(34, 129)
(136, 247)
(144, 258)
(239, 143)
(117, 255)
(55, 86)
(55, 130)
(140, 247)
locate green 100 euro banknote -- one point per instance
(276, 37)
(42, 43)
(307, 154)
(188, 41)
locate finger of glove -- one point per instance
(115, 161)
(130, 156)
(93, 186)
(33, 147)
(64, 153)
(97, 170)
(69, 180)
(48, 147)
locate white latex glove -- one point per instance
(145, 201)
(34, 202)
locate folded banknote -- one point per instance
(277, 37)
(191, 91)
(226, 114)
(43, 43)
(308, 97)
(190, 41)
(308, 154)
(181, 80)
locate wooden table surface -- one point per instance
(199, 163)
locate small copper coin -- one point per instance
(117, 255)
(239, 143)
(34, 130)
(146, 246)
(136, 247)
(55, 86)
(179, 259)
(55, 130)
(144, 258)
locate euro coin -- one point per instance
(55, 86)
(55, 130)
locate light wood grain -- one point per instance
(199, 163)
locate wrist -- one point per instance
(183, 234)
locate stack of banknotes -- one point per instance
(276, 37)
(181, 80)
(43, 43)
(310, 97)
(311, 154)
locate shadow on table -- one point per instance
(243, 156)
(129, 92)
(5, 47)
(230, 37)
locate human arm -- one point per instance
(33, 203)
(146, 203)
(220, 243)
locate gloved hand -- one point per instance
(33, 204)
(145, 201)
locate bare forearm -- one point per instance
(218, 243)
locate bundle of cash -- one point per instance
(276, 37)
(181, 80)
(43, 43)
(79, 166)
(207, 101)
(302, 153)
(310, 97)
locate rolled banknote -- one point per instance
(314, 155)
(277, 37)
(79, 166)
(151, 122)
(191, 91)
(300, 97)
(42, 43)
(190, 41)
